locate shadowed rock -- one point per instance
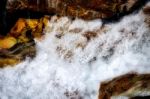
(86, 9)
(108, 10)
(141, 97)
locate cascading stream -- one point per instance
(75, 56)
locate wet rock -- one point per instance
(17, 53)
(89, 35)
(23, 26)
(19, 42)
(141, 97)
(108, 10)
(7, 42)
(76, 30)
(86, 9)
(130, 85)
(64, 53)
(146, 12)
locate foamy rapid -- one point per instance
(69, 65)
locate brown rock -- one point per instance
(76, 30)
(86, 9)
(146, 12)
(23, 25)
(19, 43)
(89, 35)
(7, 42)
(17, 53)
(125, 85)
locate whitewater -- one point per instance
(71, 65)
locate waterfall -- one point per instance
(75, 56)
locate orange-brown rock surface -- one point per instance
(86, 9)
(19, 42)
(146, 11)
(125, 85)
(11, 10)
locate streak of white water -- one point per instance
(68, 66)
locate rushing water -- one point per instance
(70, 65)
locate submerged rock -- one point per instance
(129, 85)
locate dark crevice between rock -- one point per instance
(119, 15)
(11, 18)
(141, 97)
(3, 24)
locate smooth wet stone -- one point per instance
(7, 42)
(129, 85)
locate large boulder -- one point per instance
(86, 9)
(129, 85)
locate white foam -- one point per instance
(52, 72)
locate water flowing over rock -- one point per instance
(72, 56)
(131, 85)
